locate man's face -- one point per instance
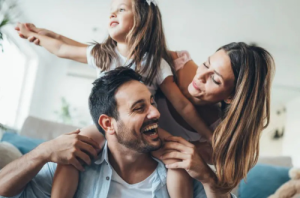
(137, 124)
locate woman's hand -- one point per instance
(71, 148)
(189, 158)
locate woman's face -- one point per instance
(214, 80)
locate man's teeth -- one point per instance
(151, 127)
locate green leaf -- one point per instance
(4, 22)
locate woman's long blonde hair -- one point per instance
(146, 38)
(236, 139)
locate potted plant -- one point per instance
(7, 14)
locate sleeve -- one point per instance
(40, 186)
(90, 58)
(164, 72)
(183, 58)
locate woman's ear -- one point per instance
(228, 100)
(106, 123)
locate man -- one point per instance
(123, 109)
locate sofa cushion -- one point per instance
(43, 129)
(8, 153)
(263, 180)
(24, 144)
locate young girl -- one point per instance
(136, 39)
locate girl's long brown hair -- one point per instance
(146, 38)
(236, 139)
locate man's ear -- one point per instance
(106, 123)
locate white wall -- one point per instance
(199, 26)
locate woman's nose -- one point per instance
(204, 75)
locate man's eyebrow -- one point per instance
(137, 102)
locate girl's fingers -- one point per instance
(36, 41)
(21, 35)
(178, 147)
(31, 38)
(174, 155)
(180, 140)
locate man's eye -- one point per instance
(139, 109)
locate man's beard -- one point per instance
(132, 141)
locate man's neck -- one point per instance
(131, 166)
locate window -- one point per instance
(13, 64)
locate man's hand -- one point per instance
(70, 148)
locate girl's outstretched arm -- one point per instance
(66, 177)
(184, 107)
(41, 31)
(61, 46)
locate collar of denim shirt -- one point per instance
(161, 172)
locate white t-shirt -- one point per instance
(163, 73)
(121, 189)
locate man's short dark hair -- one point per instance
(102, 98)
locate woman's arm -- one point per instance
(190, 160)
(56, 46)
(66, 177)
(184, 107)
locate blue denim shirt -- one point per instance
(95, 181)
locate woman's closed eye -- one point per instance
(213, 79)
(212, 76)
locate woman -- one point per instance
(231, 90)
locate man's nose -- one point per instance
(153, 113)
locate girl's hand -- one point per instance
(22, 30)
(190, 160)
(32, 28)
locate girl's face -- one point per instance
(120, 20)
(214, 80)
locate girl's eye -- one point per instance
(212, 77)
(122, 10)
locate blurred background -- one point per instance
(35, 83)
